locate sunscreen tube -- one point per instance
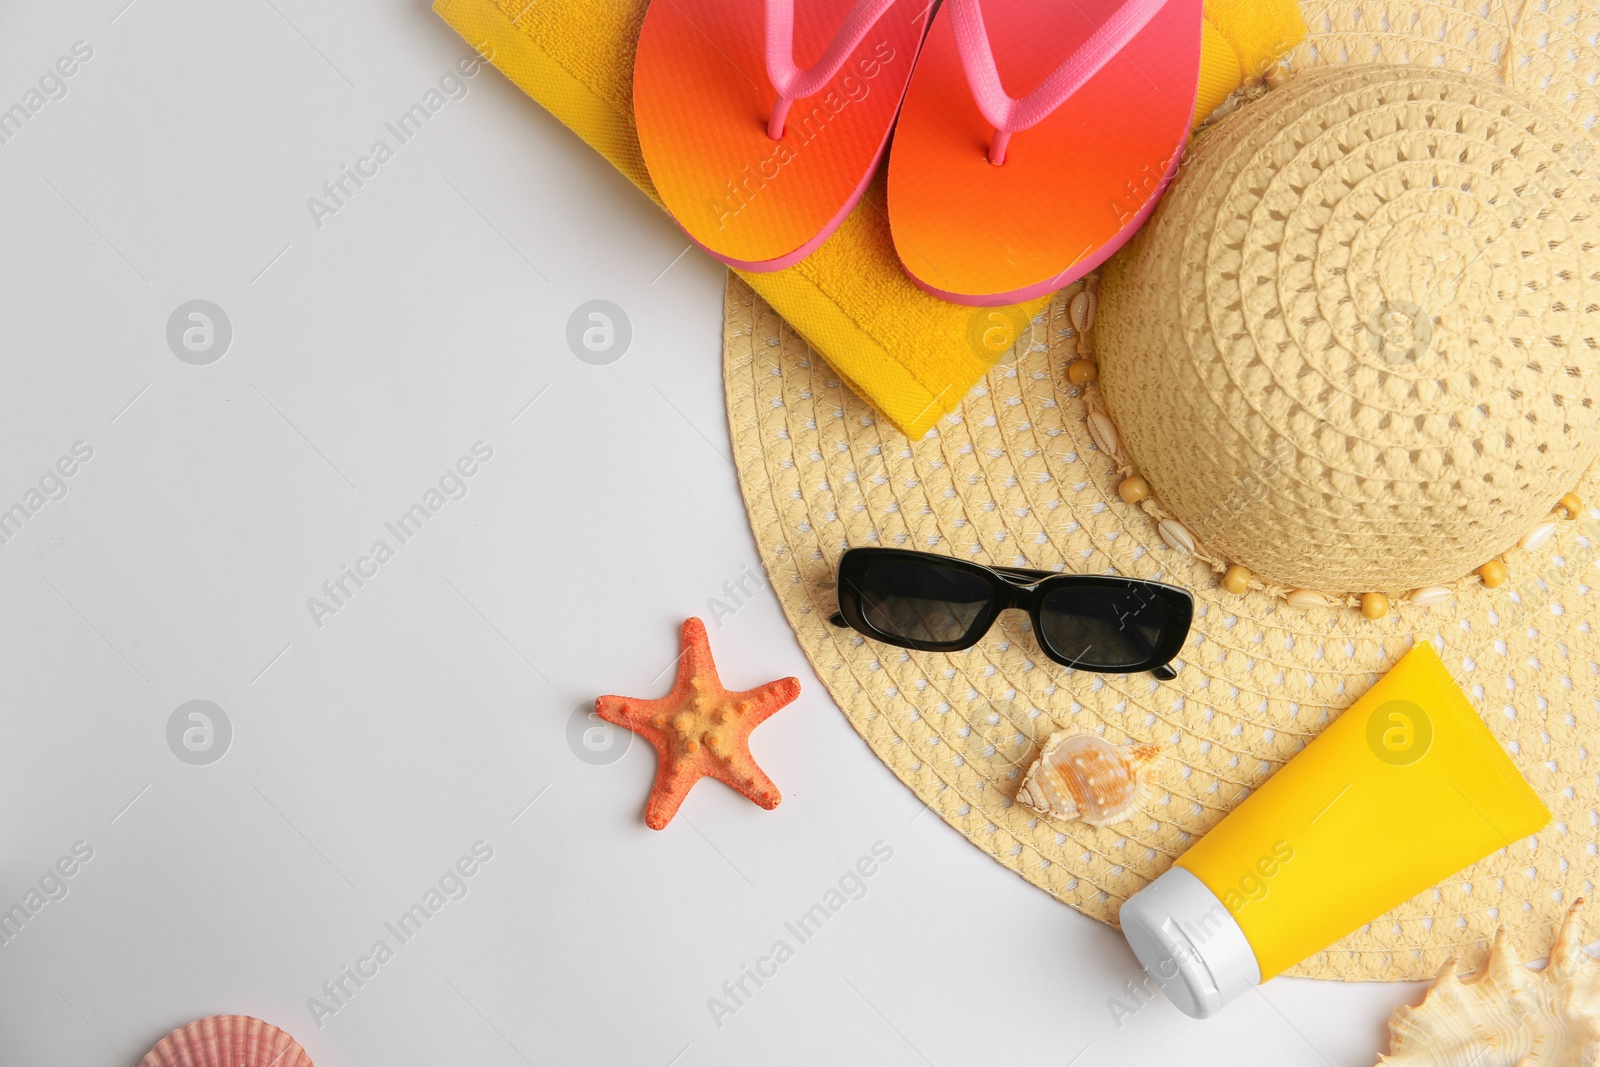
(1404, 789)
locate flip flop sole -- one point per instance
(701, 102)
(1073, 188)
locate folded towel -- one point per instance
(913, 356)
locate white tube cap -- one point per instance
(1186, 940)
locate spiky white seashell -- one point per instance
(1429, 595)
(1507, 1015)
(1176, 535)
(1535, 538)
(1104, 432)
(1081, 776)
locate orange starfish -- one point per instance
(700, 730)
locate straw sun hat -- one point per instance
(1347, 374)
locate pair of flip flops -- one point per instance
(763, 126)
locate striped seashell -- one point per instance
(1104, 432)
(227, 1041)
(1083, 310)
(1310, 598)
(1429, 595)
(1177, 536)
(1538, 537)
(1081, 776)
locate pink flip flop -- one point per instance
(984, 213)
(757, 157)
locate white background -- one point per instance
(372, 752)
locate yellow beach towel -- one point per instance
(914, 357)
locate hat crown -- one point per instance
(1356, 349)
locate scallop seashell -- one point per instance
(1507, 1015)
(1176, 535)
(1310, 598)
(1081, 776)
(1538, 537)
(1083, 310)
(1104, 432)
(1429, 595)
(227, 1041)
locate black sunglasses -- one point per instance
(1090, 622)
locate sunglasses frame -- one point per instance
(1025, 590)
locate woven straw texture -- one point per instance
(1013, 477)
(1366, 308)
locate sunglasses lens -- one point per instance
(923, 603)
(1110, 628)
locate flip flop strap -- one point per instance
(790, 81)
(1008, 115)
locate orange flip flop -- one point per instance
(995, 199)
(761, 128)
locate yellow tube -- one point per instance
(1404, 789)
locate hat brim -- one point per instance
(1013, 478)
